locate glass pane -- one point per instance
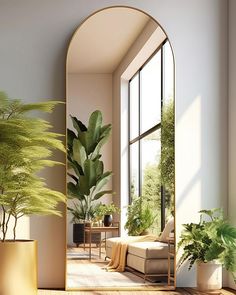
(134, 107)
(151, 93)
(151, 183)
(134, 169)
(168, 73)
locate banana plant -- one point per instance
(84, 159)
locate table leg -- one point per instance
(90, 243)
(105, 241)
(100, 248)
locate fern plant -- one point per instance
(84, 158)
(208, 240)
(26, 144)
(139, 216)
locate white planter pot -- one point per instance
(209, 276)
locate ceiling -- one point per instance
(103, 39)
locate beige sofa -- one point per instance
(148, 258)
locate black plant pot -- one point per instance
(78, 235)
(107, 220)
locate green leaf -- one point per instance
(70, 137)
(90, 173)
(213, 251)
(103, 139)
(81, 130)
(100, 194)
(102, 182)
(99, 167)
(79, 153)
(92, 135)
(73, 177)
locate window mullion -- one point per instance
(129, 145)
(139, 132)
(162, 102)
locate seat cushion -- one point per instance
(149, 250)
(149, 266)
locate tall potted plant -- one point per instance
(88, 175)
(26, 143)
(211, 243)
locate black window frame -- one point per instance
(147, 132)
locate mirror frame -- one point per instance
(144, 288)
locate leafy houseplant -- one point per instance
(210, 240)
(139, 217)
(106, 210)
(84, 159)
(26, 143)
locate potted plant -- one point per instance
(86, 167)
(79, 223)
(106, 210)
(26, 143)
(211, 243)
(139, 217)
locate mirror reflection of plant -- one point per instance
(209, 240)
(167, 162)
(151, 191)
(139, 216)
(162, 172)
(26, 143)
(106, 209)
(78, 214)
(83, 153)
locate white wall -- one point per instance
(232, 118)
(34, 40)
(85, 94)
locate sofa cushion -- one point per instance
(167, 230)
(149, 266)
(149, 250)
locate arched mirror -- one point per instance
(120, 154)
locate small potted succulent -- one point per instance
(211, 244)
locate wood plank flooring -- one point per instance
(179, 291)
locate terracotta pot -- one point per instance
(18, 267)
(209, 276)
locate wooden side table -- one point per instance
(171, 254)
(100, 229)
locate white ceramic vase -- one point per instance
(209, 276)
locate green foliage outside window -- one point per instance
(161, 173)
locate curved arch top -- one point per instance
(126, 19)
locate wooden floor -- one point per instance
(94, 277)
(184, 291)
